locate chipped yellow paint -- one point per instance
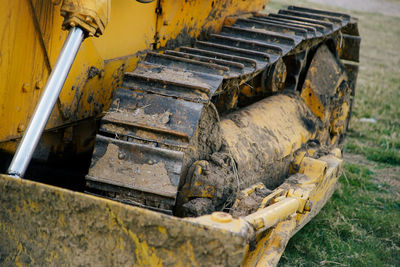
(162, 230)
(312, 100)
(246, 90)
(145, 255)
(276, 243)
(252, 257)
(298, 158)
(188, 251)
(313, 168)
(181, 17)
(340, 115)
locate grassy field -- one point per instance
(360, 225)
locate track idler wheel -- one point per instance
(327, 94)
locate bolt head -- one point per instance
(21, 128)
(39, 85)
(121, 155)
(221, 217)
(25, 87)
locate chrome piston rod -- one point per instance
(46, 104)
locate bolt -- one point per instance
(21, 128)
(25, 87)
(121, 155)
(91, 34)
(88, 19)
(165, 119)
(38, 85)
(72, 24)
(308, 205)
(221, 217)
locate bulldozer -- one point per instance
(159, 132)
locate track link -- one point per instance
(145, 142)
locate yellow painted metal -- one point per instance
(313, 168)
(92, 16)
(282, 111)
(270, 216)
(45, 225)
(289, 208)
(276, 243)
(182, 18)
(312, 100)
(79, 229)
(31, 39)
(271, 243)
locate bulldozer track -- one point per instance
(140, 151)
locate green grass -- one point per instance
(360, 225)
(389, 156)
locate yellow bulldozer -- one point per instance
(160, 132)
